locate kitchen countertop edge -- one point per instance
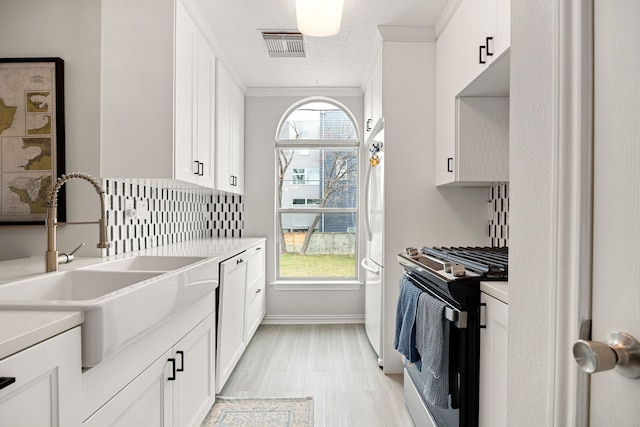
(20, 329)
(498, 290)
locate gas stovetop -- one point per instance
(455, 273)
(487, 263)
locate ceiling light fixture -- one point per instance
(319, 18)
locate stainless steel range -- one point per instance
(442, 373)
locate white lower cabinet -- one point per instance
(47, 388)
(493, 363)
(175, 390)
(146, 401)
(193, 388)
(256, 303)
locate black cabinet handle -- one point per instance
(450, 164)
(368, 124)
(181, 368)
(489, 51)
(200, 168)
(173, 369)
(239, 261)
(480, 57)
(483, 305)
(6, 381)
(197, 167)
(259, 290)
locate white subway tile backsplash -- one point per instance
(499, 215)
(174, 214)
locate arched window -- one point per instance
(316, 180)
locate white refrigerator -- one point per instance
(372, 263)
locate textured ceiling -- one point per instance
(337, 61)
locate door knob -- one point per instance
(620, 351)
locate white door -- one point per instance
(616, 234)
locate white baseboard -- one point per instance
(312, 319)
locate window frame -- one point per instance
(310, 144)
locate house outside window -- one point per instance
(316, 180)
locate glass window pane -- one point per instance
(318, 245)
(327, 176)
(318, 120)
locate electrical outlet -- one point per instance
(143, 210)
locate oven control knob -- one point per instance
(620, 351)
(457, 270)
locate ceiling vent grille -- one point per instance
(284, 44)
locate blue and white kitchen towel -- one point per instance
(405, 339)
(432, 341)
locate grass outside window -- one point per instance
(317, 266)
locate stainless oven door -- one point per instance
(463, 374)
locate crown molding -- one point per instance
(447, 13)
(303, 91)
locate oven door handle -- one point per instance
(457, 317)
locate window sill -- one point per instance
(316, 285)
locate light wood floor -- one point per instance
(333, 363)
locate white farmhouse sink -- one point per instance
(118, 305)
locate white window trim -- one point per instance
(311, 284)
(299, 284)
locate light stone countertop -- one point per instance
(20, 329)
(498, 290)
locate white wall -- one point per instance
(531, 302)
(69, 30)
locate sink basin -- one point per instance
(118, 305)
(147, 263)
(70, 286)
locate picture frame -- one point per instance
(32, 138)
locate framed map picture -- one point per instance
(31, 137)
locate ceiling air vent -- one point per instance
(284, 44)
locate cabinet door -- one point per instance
(448, 80)
(224, 117)
(376, 88)
(230, 340)
(146, 401)
(503, 26)
(186, 39)
(493, 363)
(48, 384)
(237, 151)
(256, 292)
(205, 114)
(193, 389)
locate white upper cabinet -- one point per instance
(194, 103)
(230, 134)
(472, 135)
(373, 96)
(158, 93)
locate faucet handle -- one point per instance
(67, 258)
